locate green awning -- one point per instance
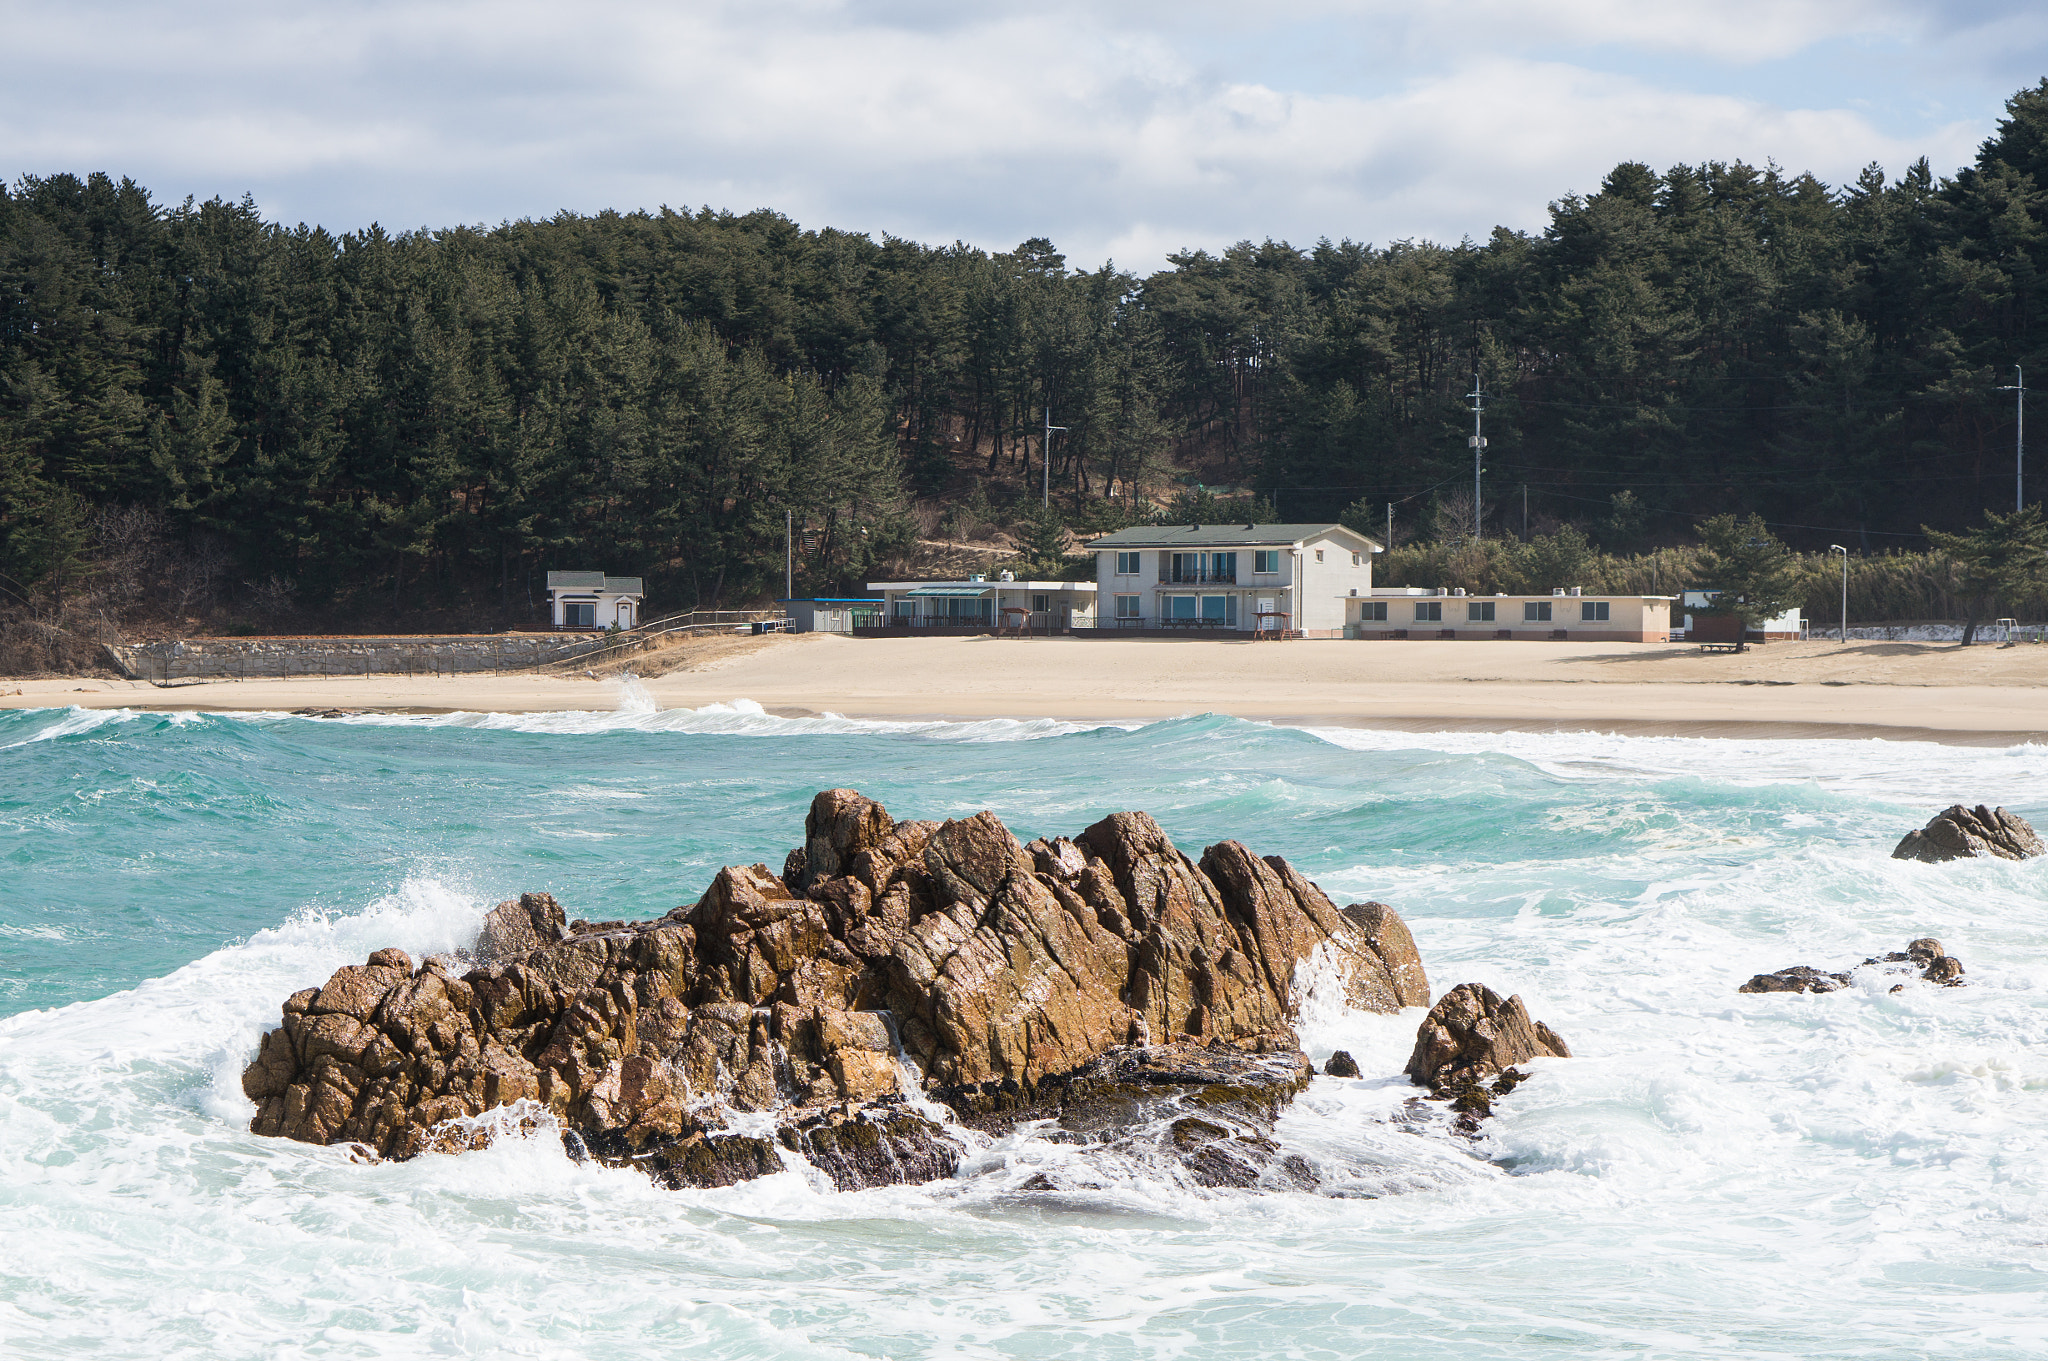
(950, 590)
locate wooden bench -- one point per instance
(1560, 635)
(1446, 633)
(1503, 633)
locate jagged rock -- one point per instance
(1958, 832)
(1208, 1109)
(516, 928)
(1924, 955)
(992, 966)
(1472, 1034)
(1798, 978)
(1341, 1064)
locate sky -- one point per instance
(1121, 131)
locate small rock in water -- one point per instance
(1957, 833)
(1924, 954)
(1470, 1035)
(1341, 1064)
(1798, 978)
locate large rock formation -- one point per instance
(1957, 832)
(1057, 978)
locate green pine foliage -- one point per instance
(385, 421)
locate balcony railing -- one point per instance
(1190, 576)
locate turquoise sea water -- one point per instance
(1713, 1175)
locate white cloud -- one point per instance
(1105, 130)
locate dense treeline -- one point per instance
(373, 424)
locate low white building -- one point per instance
(1245, 578)
(978, 604)
(1563, 614)
(592, 600)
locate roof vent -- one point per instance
(1557, 590)
(1576, 590)
(1194, 526)
(1249, 525)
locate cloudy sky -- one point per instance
(1120, 130)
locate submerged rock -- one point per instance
(1924, 956)
(1957, 832)
(1105, 982)
(1341, 1064)
(1798, 978)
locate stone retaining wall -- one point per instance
(268, 658)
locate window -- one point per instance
(1372, 611)
(1480, 612)
(1319, 555)
(1266, 560)
(1223, 567)
(1536, 612)
(1180, 606)
(1220, 610)
(1356, 559)
(579, 614)
(1127, 606)
(1041, 604)
(1593, 610)
(1127, 564)
(1429, 611)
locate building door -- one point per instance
(624, 614)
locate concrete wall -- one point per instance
(234, 658)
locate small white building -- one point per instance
(1244, 578)
(592, 600)
(826, 615)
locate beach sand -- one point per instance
(1984, 694)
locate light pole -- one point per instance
(788, 554)
(1477, 440)
(2019, 459)
(1045, 454)
(1837, 548)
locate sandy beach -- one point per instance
(1984, 694)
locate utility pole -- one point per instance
(788, 554)
(1837, 548)
(1045, 454)
(2019, 459)
(1525, 512)
(1390, 527)
(1478, 441)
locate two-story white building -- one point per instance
(1287, 579)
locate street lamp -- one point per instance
(2018, 387)
(1837, 548)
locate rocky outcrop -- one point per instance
(1924, 958)
(1957, 832)
(1472, 1034)
(1341, 1064)
(1064, 976)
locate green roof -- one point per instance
(1218, 536)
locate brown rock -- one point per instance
(1471, 1034)
(516, 928)
(1798, 978)
(1958, 832)
(1341, 1064)
(1944, 970)
(1006, 969)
